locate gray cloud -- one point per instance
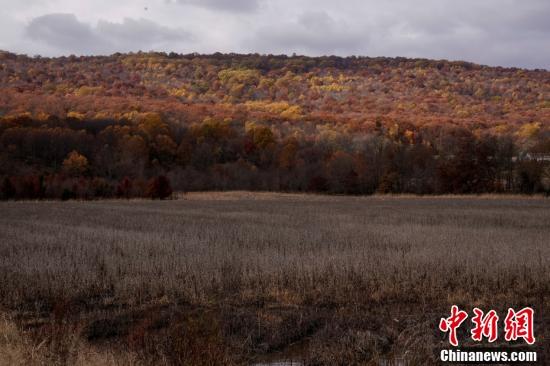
(494, 32)
(66, 33)
(225, 5)
(135, 32)
(63, 31)
(313, 32)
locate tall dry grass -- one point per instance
(223, 278)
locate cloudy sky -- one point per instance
(494, 32)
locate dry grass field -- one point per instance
(242, 278)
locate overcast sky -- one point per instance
(494, 32)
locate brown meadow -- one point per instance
(238, 278)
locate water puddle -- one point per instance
(292, 355)
(279, 363)
(391, 362)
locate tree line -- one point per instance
(146, 156)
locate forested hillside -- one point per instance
(142, 124)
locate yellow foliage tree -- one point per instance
(75, 164)
(529, 130)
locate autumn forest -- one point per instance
(148, 124)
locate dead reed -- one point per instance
(224, 278)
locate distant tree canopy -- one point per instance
(146, 123)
